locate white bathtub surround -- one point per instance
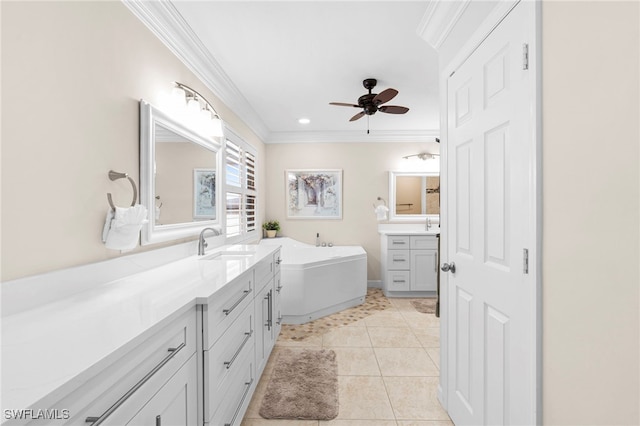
(319, 281)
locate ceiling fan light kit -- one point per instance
(372, 102)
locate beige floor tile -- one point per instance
(424, 423)
(356, 362)
(405, 362)
(363, 398)
(434, 354)
(347, 337)
(415, 398)
(429, 337)
(278, 422)
(386, 319)
(358, 423)
(358, 323)
(393, 337)
(416, 319)
(402, 304)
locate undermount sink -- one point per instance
(229, 255)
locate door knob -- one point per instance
(449, 267)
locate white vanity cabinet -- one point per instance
(239, 332)
(155, 379)
(409, 264)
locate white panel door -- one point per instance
(491, 305)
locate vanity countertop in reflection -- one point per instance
(52, 348)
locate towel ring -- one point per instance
(380, 199)
(115, 176)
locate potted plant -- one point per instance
(272, 227)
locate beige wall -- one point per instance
(365, 177)
(72, 76)
(590, 211)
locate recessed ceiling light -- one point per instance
(304, 121)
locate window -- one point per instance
(240, 190)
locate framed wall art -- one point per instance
(204, 194)
(314, 194)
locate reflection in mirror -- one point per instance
(413, 195)
(181, 165)
(178, 176)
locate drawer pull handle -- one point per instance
(158, 420)
(279, 261)
(279, 288)
(399, 242)
(244, 396)
(279, 320)
(399, 281)
(244, 342)
(399, 259)
(235, 305)
(95, 421)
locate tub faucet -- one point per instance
(202, 244)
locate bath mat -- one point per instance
(425, 306)
(303, 385)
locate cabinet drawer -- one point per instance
(264, 272)
(227, 305)
(398, 242)
(423, 242)
(399, 259)
(225, 357)
(138, 373)
(237, 396)
(398, 280)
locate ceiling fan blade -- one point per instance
(393, 109)
(343, 104)
(385, 96)
(358, 115)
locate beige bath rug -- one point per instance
(426, 306)
(303, 385)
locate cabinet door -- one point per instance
(176, 403)
(264, 326)
(424, 270)
(277, 309)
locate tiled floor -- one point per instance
(388, 365)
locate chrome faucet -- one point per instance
(428, 224)
(202, 244)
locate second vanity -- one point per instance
(409, 262)
(180, 344)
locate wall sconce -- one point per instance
(423, 156)
(193, 108)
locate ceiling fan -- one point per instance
(372, 102)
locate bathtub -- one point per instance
(319, 281)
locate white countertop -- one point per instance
(434, 231)
(44, 348)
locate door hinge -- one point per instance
(525, 56)
(525, 261)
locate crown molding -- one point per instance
(439, 19)
(164, 20)
(353, 136)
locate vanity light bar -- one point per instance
(208, 108)
(423, 156)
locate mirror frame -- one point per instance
(393, 216)
(152, 233)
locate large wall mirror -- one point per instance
(179, 177)
(414, 195)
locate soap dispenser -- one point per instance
(318, 239)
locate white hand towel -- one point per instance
(381, 212)
(123, 227)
